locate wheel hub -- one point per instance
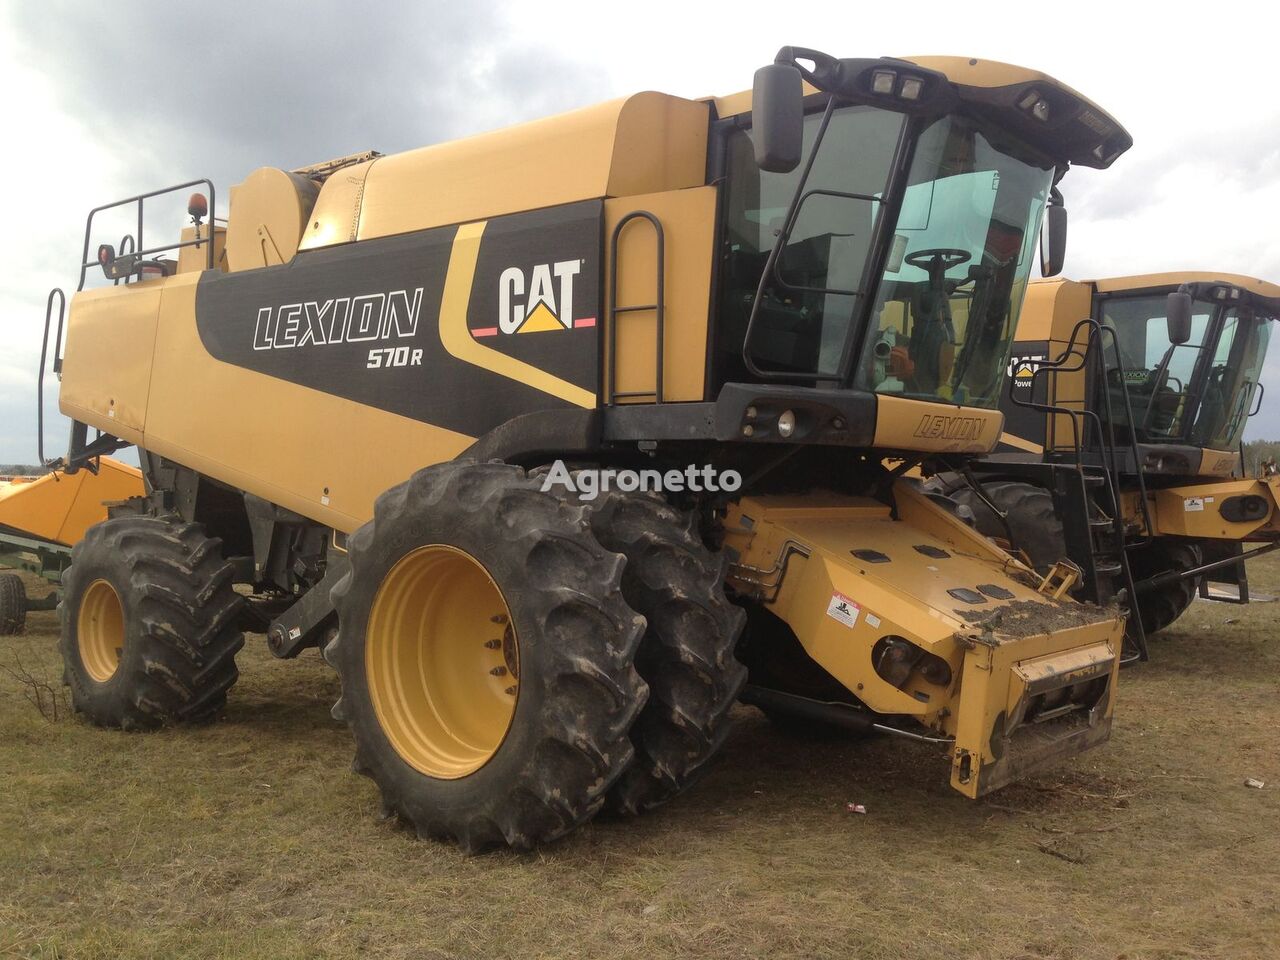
(100, 630)
(442, 662)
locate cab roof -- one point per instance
(1075, 126)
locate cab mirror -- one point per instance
(1178, 316)
(1053, 240)
(777, 117)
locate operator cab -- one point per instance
(1196, 381)
(894, 259)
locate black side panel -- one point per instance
(362, 321)
(1022, 421)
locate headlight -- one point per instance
(786, 424)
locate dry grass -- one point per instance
(249, 838)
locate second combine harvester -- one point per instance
(1150, 397)
(349, 400)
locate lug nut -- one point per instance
(498, 618)
(511, 690)
(499, 671)
(493, 644)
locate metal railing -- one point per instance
(142, 251)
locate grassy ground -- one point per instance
(249, 838)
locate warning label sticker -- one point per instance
(842, 608)
(1193, 504)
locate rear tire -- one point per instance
(149, 624)
(13, 604)
(687, 654)
(490, 693)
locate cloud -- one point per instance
(121, 103)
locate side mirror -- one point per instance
(1178, 316)
(777, 117)
(1053, 239)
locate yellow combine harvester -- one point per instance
(41, 517)
(1155, 392)
(385, 396)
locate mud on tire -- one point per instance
(576, 639)
(174, 613)
(687, 654)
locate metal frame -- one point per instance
(658, 308)
(1072, 500)
(141, 251)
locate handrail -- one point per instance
(57, 363)
(658, 307)
(141, 251)
(1093, 348)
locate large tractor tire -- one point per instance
(687, 654)
(13, 604)
(1034, 524)
(486, 657)
(1161, 606)
(149, 632)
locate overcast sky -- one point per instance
(111, 99)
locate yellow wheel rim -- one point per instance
(100, 630)
(442, 662)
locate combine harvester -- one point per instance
(353, 400)
(1154, 393)
(40, 519)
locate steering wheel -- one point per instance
(940, 259)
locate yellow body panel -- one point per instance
(106, 371)
(59, 507)
(194, 259)
(1192, 510)
(335, 218)
(261, 434)
(646, 143)
(1050, 311)
(795, 555)
(269, 212)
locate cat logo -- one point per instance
(1022, 369)
(537, 301)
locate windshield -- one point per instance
(947, 303)
(1199, 392)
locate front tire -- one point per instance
(486, 658)
(149, 631)
(1160, 607)
(687, 654)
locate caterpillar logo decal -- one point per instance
(938, 427)
(1022, 369)
(539, 300)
